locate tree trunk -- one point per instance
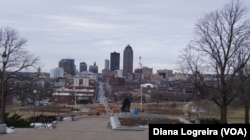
(4, 105)
(223, 114)
(246, 113)
(22, 103)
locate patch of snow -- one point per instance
(10, 130)
(67, 119)
(42, 125)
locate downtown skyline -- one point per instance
(88, 31)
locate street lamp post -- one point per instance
(2, 124)
(34, 109)
(57, 105)
(156, 88)
(198, 109)
(75, 100)
(141, 96)
(157, 92)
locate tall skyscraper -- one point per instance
(83, 67)
(106, 64)
(127, 61)
(68, 66)
(114, 61)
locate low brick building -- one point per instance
(69, 96)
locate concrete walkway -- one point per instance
(85, 128)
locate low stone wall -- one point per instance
(3, 128)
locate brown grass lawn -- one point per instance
(235, 110)
(28, 111)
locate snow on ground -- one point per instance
(10, 130)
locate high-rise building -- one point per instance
(68, 66)
(127, 61)
(165, 73)
(106, 64)
(114, 61)
(83, 66)
(93, 68)
(56, 73)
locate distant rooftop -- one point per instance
(83, 63)
(128, 47)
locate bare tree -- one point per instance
(22, 91)
(244, 89)
(16, 59)
(222, 49)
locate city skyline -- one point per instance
(88, 31)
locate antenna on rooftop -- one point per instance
(140, 66)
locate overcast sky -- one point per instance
(89, 30)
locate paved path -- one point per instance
(86, 128)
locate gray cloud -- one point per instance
(90, 30)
